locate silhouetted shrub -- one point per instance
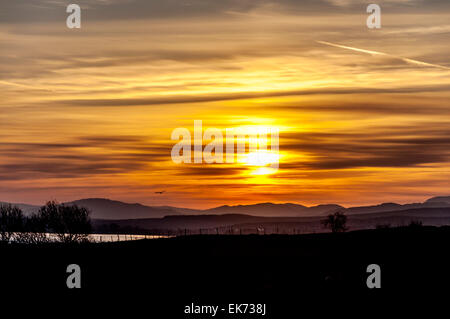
(336, 222)
(35, 230)
(11, 221)
(68, 223)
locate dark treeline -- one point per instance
(334, 222)
(66, 223)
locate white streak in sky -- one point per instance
(410, 61)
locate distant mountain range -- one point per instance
(26, 208)
(115, 210)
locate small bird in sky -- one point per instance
(160, 193)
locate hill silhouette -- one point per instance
(111, 209)
(102, 208)
(439, 199)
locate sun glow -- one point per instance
(261, 158)
(263, 171)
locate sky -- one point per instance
(363, 114)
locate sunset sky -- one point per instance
(363, 114)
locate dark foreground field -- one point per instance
(288, 273)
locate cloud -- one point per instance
(421, 30)
(407, 106)
(214, 171)
(90, 111)
(97, 10)
(181, 99)
(113, 155)
(375, 147)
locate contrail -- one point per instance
(16, 84)
(410, 61)
(23, 86)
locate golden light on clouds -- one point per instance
(90, 113)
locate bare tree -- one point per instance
(35, 230)
(336, 222)
(69, 223)
(11, 221)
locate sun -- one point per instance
(261, 160)
(263, 171)
(263, 156)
